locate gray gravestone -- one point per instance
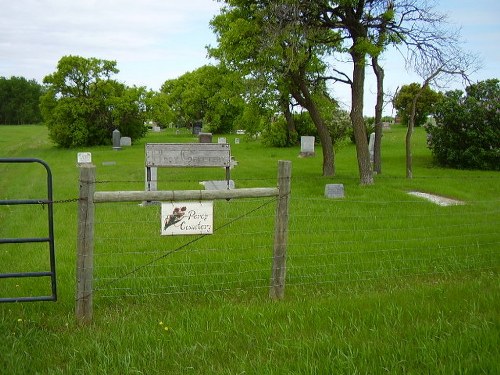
(371, 146)
(306, 146)
(221, 140)
(125, 141)
(116, 140)
(217, 184)
(197, 127)
(334, 190)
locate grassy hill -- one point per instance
(377, 282)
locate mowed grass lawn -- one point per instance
(377, 282)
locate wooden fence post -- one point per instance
(85, 244)
(277, 290)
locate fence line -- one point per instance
(360, 243)
(88, 198)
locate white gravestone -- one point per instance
(306, 146)
(125, 141)
(84, 158)
(221, 140)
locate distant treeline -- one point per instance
(19, 101)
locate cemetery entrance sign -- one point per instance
(188, 155)
(185, 155)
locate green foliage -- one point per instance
(425, 103)
(82, 105)
(212, 94)
(253, 118)
(467, 129)
(369, 124)
(158, 109)
(276, 134)
(19, 101)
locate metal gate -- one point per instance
(46, 202)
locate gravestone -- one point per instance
(156, 129)
(371, 146)
(218, 184)
(116, 140)
(306, 146)
(84, 158)
(205, 137)
(125, 141)
(197, 128)
(334, 191)
(236, 141)
(222, 140)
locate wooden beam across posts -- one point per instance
(85, 244)
(180, 195)
(277, 289)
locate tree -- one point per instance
(360, 26)
(19, 101)
(158, 108)
(467, 129)
(424, 105)
(83, 105)
(264, 40)
(211, 94)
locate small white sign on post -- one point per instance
(182, 218)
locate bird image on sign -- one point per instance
(183, 218)
(175, 217)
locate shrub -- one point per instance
(467, 130)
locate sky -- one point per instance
(156, 40)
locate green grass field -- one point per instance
(377, 282)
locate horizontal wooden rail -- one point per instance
(180, 195)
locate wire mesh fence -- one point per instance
(333, 244)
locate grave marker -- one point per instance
(334, 191)
(116, 140)
(125, 141)
(307, 146)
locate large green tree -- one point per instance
(403, 100)
(211, 94)
(263, 39)
(19, 101)
(83, 105)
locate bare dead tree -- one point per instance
(437, 67)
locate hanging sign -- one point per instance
(180, 218)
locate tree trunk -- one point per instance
(409, 132)
(304, 98)
(290, 123)
(377, 150)
(358, 123)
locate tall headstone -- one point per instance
(197, 127)
(116, 140)
(371, 146)
(307, 146)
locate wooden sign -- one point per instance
(182, 218)
(188, 155)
